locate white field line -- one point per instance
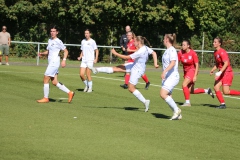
(114, 79)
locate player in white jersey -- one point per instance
(53, 49)
(88, 47)
(170, 75)
(136, 69)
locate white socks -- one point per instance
(62, 87)
(139, 96)
(85, 82)
(206, 90)
(172, 104)
(89, 84)
(105, 69)
(46, 90)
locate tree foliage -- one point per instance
(29, 20)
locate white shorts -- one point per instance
(128, 66)
(51, 71)
(134, 76)
(88, 64)
(170, 82)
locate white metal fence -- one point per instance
(102, 46)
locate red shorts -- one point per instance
(226, 78)
(189, 75)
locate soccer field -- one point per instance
(110, 123)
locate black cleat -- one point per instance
(222, 106)
(125, 86)
(147, 85)
(210, 92)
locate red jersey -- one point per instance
(188, 59)
(221, 56)
(131, 46)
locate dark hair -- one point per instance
(188, 43)
(141, 40)
(88, 30)
(171, 38)
(55, 27)
(219, 40)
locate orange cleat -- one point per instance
(44, 100)
(70, 96)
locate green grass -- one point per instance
(111, 122)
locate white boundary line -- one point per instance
(232, 97)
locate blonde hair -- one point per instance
(141, 40)
(171, 38)
(133, 35)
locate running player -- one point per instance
(224, 76)
(53, 48)
(170, 75)
(137, 69)
(189, 59)
(130, 50)
(88, 47)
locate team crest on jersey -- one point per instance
(185, 60)
(189, 57)
(217, 56)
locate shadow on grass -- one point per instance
(179, 103)
(52, 100)
(79, 89)
(125, 108)
(210, 105)
(159, 115)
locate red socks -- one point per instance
(186, 93)
(220, 96)
(234, 92)
(144, 77)
(199, 90)
(127, 77)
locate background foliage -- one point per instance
(29, 20)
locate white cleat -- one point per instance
(85, 89)
(186, 105)
(94, 70)
(89, 90)
(0, 63)
(147, 105)
(7, 64)
(176, 115)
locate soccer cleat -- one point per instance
(94, 70)
(7, 64)
(125, 86)
(186, 105)
(89, 90)
(85, 89)
(44, 100)
(0, 63)
(222, 106)
(176, 115)
(147, 85)
(70, 96)
(210, 92)
(147, 105)
(179, 117)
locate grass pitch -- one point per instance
(110, 123)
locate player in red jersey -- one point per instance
(189, 60)
(131, 48)
(224, 76)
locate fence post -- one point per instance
(37, 54)
(202, 48)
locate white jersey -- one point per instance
(170, 55)
(140, 58)
(88, 47)
(54, 47)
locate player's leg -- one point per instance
(45, 98)
(145, 78)
(6, 52)
(89, 78)
(186, 91)
(165, 92)
(219, 95)
(134, 77)
(1, 53)
(126, 80)
(227, 81)
(109, 70)
(82, 71)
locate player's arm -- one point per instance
(64, 57)
(80, 56)
(96, 55)
(131, 50)
(43, 53)
(155, 60)
(125, 57)
(196, 72)
(9, 41)
(122, 43)
(213, 69)
(170, 66)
